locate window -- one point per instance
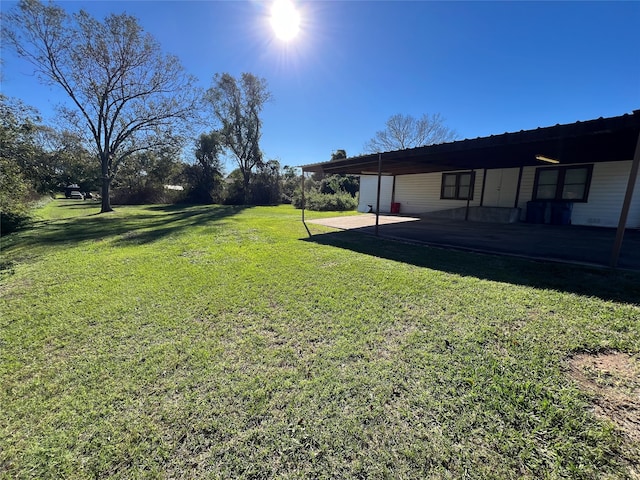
(569, 184)
(456, 186)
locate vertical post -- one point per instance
(393, 190)
(472, 184)
(378, 195)
(622, 223)
(484, 184)
(303, 202)
(518, 188)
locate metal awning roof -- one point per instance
(600, 140)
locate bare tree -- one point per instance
(127, 96)
(237, 105)
(405, 131)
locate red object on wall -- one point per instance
(395, 207)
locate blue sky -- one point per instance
(486, 67)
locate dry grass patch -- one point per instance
(613, 381)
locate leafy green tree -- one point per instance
(266, 188)
(143, 176)
(65, 161)
(237, 105)
(38, 168)
(18, 124)
(339, 183)
(291, 182)
(13, 193)
(164, 169)
(205, 176)
(338, 155)
(127, 96)
(329, 192)
(406, 131)
(234, 193)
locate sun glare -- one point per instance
(285, 19)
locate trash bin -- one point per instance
(561, 213)
(395, 207)
(535, 212)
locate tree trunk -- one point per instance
(106, 201)
(245, 187)
(106, 187)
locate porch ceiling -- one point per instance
(601, 140)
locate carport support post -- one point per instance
(472, 184)
(378, 194)
(302, 196)
(622, 223)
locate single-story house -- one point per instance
(577, 173)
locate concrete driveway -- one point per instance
(560, 243)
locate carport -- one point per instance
(594, 141)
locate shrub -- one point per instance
(10, 222)
(156, 194)
(14, 197)
(322, 202)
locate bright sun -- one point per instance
(285, 19)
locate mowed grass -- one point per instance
(223, 342)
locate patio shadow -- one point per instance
(615, 285)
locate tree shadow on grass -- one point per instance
(619, 285)
(146, 225)
(176, 218)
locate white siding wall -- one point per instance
(526, 190)
(420, 193)
(606, 194)
(369, 193)
(608, 187)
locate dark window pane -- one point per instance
(449, 180)
(575, 175)
(573, 192)
(449, 192)
(548, 177)
(546, 192)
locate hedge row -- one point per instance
(322, 202)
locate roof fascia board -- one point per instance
(542, 138)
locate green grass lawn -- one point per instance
(223, 342)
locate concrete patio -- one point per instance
(557, 243)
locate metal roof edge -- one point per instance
(578, 128)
